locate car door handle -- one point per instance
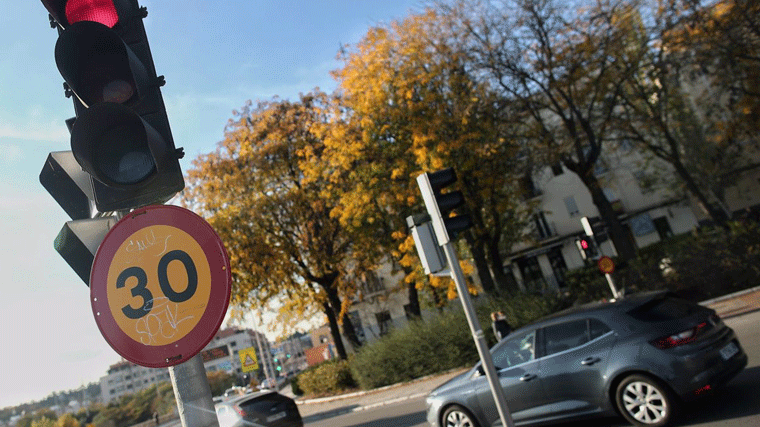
(527, 377)
(590, 361)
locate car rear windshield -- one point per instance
(664, 309)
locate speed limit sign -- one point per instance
(160, 285)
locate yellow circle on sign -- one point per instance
(158, 285)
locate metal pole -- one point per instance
(263, 358)
(610, 282)
(478, 336)
(193, 394)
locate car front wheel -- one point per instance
(457, 416)
(645, 401)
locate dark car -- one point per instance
(263, 408)
(638, 357)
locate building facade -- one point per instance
(222, 353)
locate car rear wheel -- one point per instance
(457, 416)
(645, 401)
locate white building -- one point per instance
(539, 264)
(221, 353)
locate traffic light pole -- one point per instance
(193, 394)
(478, 336)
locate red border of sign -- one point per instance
(612, 263)
(219, 298)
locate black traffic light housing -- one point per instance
(121, 134)
(587, 247)
(440, 205)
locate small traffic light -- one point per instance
(440, 205)
(121, 134)
(587, 247)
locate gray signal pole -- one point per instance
(193, 394)
(430, 188)
(478, 336)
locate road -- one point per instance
(735, 405)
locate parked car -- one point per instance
(263, 408)
(640, 357)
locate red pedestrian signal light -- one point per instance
(584, 244)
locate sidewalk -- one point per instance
(328, 407)
(316, 409)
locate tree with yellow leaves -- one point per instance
(277, 224)
(412, 106)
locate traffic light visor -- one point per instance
(102, 11)
(113, 143)
(98, 66)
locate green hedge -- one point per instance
(698, 266)
(441, 342)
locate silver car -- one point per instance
(638, 357)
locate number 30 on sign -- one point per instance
(160, 285)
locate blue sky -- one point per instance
(215, 56)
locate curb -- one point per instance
(375, 390)
(730, 296)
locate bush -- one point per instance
(698, 266)
(441, 343)
(329, 377)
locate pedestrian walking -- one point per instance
(155, 415)
(500, 325)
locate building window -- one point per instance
(533, 279)
(662, 226)
(372, 284)
(572, 207)
(384, 321)
(358, 328)
(542, 227)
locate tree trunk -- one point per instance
(717, 215)
(481, 264)
(414, 297)
(348, 327)
(497, 267)
(617, 233)
(335, 330)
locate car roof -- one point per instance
(247, 396)
(598, 307)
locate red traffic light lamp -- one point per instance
(121, 135)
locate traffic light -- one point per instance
(121, 135)
(587, 247)
(440, 205)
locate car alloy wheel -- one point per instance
(644, 401)
(456, 416)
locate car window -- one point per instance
(596, 328)
(565, 336)
(517, 350)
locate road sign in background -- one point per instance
(248, 360)
(160, 285)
